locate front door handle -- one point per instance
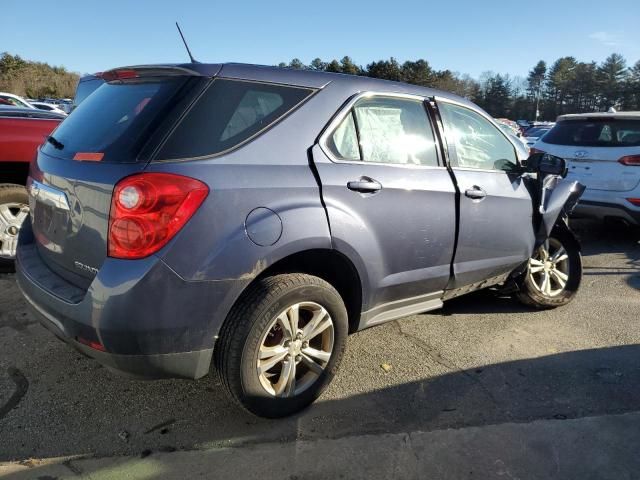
(364, 185)
(476, 193)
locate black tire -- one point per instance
(530, 292)
(10, 194)
(247, 327)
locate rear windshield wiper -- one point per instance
(56, 143)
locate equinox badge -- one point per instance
(85, 268)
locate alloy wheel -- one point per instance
(295, 349)
(549, 268)
(11, 217)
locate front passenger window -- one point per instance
(478, 143)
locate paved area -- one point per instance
(592, 447)
(483, 372)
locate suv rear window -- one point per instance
(228, 114)
(601, 132)
(115, 121)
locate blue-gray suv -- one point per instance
(249, 218)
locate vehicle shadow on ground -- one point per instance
(558, 387)
(130, 417)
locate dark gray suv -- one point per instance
(250, 217)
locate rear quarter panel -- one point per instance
(272, 171)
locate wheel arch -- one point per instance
(328, 264)
(333, 267)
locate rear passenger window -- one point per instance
(395, 130)
(228, 114)
(343, 143)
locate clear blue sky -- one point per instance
(464, 36)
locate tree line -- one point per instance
(567, 86)
(35, 79)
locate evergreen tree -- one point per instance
(297, 64)
(497, 96)
(418, 73)
(385, 69)
(334, 66)
(535, 83)
(561, 78)
(611, 76)
(347, 66)
(568, 86)
(631, 99)
(318, 64)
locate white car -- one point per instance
(50, 107)
(9, 99)
(533, 134)
(602, 151)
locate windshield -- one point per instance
(604, 132)
(115, 121)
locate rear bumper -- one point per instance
(149, 321)
(168, 365)
(600, 204)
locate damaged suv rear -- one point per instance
(250, 217)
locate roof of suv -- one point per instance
(595, 115)
(303, 78)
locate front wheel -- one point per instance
(554, 272)
(282, 343)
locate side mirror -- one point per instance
(547, 164)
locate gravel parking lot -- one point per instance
(482, 360)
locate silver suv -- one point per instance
(248, 218)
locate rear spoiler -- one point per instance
(183, 69)
(126, 73)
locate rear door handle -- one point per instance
(475, 193)
(365, 185)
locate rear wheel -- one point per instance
(282, 344)
(14, 208)
(554, 272)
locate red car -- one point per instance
(22, 130)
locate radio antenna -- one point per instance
(193, 60)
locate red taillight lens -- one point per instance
(148, 209)
(535, 150)
(630, 160)
(635, 201)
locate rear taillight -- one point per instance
(535, 150)
(148, 209)
(634, 201)
(630, 160)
